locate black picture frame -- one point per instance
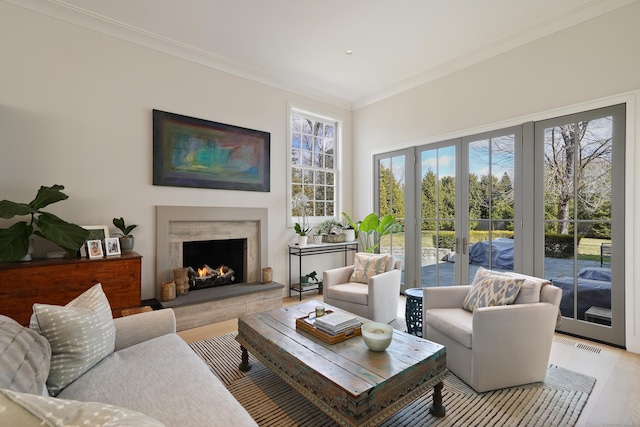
(192, 152)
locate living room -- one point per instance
(77, 100)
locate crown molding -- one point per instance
(63, 11)
(568, 19)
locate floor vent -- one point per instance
(590, 348)
(577, 345)
(565, 341)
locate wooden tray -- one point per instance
(330, 339)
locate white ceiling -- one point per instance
(300, 45)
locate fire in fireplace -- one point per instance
(207, 277)
(227, 255)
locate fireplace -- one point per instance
(176, 225)
(214, 262)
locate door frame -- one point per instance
(616, 333)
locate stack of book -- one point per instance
(336, 323)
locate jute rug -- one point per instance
(557, 401)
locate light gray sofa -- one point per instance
(152, 371)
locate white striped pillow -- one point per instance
(81, 334)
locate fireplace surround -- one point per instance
(178, 224)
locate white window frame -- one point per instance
(314, 221)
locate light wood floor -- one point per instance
(615, 400)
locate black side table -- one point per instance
(413, 311)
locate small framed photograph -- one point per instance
(94, 248)
(112, 246)
(96, 232)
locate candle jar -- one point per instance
(267, 275)
(168, 291)
(319, 311)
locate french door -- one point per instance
(394, 188)
(468, 208)
(580, 208)
(543, 198)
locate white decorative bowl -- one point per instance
(377, 336)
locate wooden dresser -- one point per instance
(58, 281)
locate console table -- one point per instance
(316, 249)
(58, 281)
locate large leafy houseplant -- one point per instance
(371, 228)
(14, 241)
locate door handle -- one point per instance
(464, 245)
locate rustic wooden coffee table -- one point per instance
(347, 381)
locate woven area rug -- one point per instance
(557, 401)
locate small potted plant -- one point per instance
(126, 239)
(349, 233)
(317, 238)
(301, 227)
(332, 231)
(302, 232)
(309, 278)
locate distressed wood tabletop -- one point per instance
(352, 384)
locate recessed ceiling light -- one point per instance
(349, 52)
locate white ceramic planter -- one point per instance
(349, 235)
(302, 240)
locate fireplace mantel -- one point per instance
(175, 224)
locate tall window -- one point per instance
(313, 166)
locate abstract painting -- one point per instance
(191, 152)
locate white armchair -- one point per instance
(376, 300)
(498, 346)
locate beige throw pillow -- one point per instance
(366, 265)
(81, 334)
(489, 291)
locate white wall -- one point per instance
(583, 65)
(75, 109)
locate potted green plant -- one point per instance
(309, 278)
(301, 227)
(371, 228)
(349, 232)
(331, 231)
(15, 240)
(317, 238)
(126, 239)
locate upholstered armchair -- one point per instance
(494, 346)
(370, 288)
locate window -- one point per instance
(313, 165)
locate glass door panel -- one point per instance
(394, 188)
(438, 216)
(491, 204)
(577, 194)
(391, 174)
